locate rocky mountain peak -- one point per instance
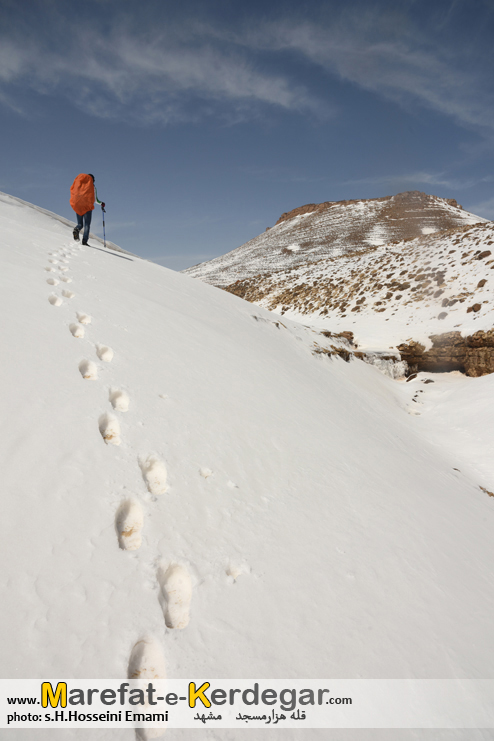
(314, 232)
(404, 200)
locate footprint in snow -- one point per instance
(83, 318)
(119, 400)
(104, 353)
(77, 330)
(234, 570)
(175, 595)
(154, 474)
(65, 279)
(52, 281)
(53, 262)
(88, 370)
(109, 428)
(128, 522)
(147, 660)
(205, 472)
(54, 300)
(68, 294)
(63, 268)
(50, 270)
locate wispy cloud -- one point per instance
(402, 64)
(193, 70)
(421, 178)
(153, 77)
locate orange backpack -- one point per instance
(82, 194)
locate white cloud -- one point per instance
(404, 66)
(194, 70)
(420, 178)
(152, 79)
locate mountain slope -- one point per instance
(320, 517)
(323, 231)
(387, 295)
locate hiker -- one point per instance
(82, 196)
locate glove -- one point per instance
(103, 206)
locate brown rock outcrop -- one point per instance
(409, 201)
(472, 355)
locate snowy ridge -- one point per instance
(333, 229)
(189, 489)
(14, 201)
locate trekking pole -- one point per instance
(104, 235)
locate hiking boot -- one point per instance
(84, 241)
(76, 234)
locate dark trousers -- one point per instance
(84, 222)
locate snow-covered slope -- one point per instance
(316, 233)
(387, 295)
(311, 509)
(19, 203)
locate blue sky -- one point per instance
(204, 121)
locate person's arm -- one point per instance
(102, 204)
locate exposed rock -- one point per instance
(408, 198)
(348, 336)
(481, 339)
(473, 355)
(489, 493)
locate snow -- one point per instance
(77, 330)
(88, 370)
(325, 234)
(375, 242)
(129, 521)
(154, 474)
(176, 595)
(258, 509)
(399, 305)
(83, 318)
(119, 400)
(104, 353)
(54, 300)
(109, 427)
